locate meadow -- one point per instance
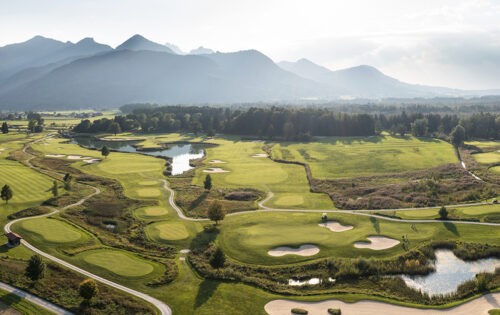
(331, 158)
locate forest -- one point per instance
(290, 124)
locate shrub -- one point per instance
(334, 311)
(300, 311)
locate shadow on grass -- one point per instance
(195, 203)
(205, 237)
(376, 224)
(4, 248)
(9, 299)
(205, 291)
(451, 227)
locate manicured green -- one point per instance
(335, 157)
(151, 212)
(118, 262)
(52, 230)
(248, 237)
(487, 158)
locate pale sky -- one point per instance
(435, 42)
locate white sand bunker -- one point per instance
(260, 155)
(303, 250)
(215, 170)
(335, 226)
(478, 306)
(377, 243)
(78, 157)
(2, 149)
(217, 162)
(91, 161)
(55, 155)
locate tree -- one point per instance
(218, 259)
(208, 182)
(5, 128)
(420, 127)
(115, 128)
(443, 213)
(88, 289)
(105, 151)
(457, 135)
(35, 270)
(67, 181)
(215, 212)
(55, 189)
(6, 193)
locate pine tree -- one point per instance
(208, 182)
(6, 193)
(35, 270)
(218, 259)
(5, 128)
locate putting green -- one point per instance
(169, 231)
(289, 200)
(52, 230)
(119, 263)
(148, 183)
(148, 192)
(487, 158)
(154, 211)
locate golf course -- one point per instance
(147, 246)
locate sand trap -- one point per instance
(377, 243)
(2, 149)
(77, 157)
(260, 155)
(335, 226)
(303, 250)
(55, 155)
(479, 306)
(91, 161)
(185, 251)
(215, 170)
(217, 162)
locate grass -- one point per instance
(288, 182)
(51, 230)
(151, 213)
(331, 158)
(169, 231)
(483, 144)
(120, 263)
(487, 158)
(248, 237)
(470, 212)
(19, 304)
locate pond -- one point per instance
(450, 273)
(181, 153)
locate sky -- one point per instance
(439, 42)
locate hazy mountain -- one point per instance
(201, 51)
(138, 42)
(40, 51)
(175, 48)
(361, 81)
(125, 76)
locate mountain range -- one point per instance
(43, 73)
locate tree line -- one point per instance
(297, 124)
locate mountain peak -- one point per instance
(201, 51)
(139, 42)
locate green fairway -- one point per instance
(483, 144)
(288, 182)
(354, 157)
(118, 262)
(151, 212)
(470, 212)
(249, 237)
(168, 231)
(487, 158)
(51, 230)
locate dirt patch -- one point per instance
(377, 243)
(303, 250)
(215, 170)
(335, 226)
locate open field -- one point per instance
(331, 158)
(249, 237)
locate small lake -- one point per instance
(181, 153)
(450, 273)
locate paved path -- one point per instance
(34, 299)
(162, 307)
